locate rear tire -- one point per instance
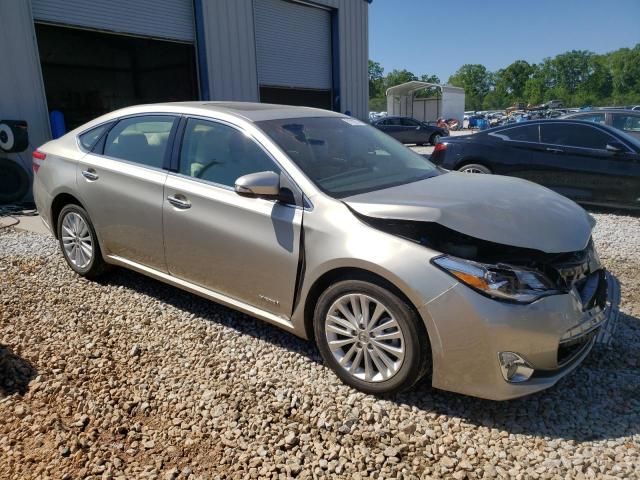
(474, 168)
(79, 242)
(378, 345)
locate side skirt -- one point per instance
(282, 322)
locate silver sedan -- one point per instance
(326, 227)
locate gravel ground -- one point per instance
(129, 378)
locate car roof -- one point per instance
(252, 111)
(605, 110)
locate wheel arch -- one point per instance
(59, 202)
(475, 160)
(351, 273)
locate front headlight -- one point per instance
(499, 281)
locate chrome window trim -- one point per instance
(586, 124)
(250, 135)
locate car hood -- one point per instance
(498, 209)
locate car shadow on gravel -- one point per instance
(15, 372)
(599, 400)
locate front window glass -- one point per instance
(410, 122)
(628, 123)
(344, 156)
(220, 154)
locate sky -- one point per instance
(438, 37)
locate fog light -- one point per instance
(515, 369)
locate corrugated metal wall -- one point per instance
(231, 51)
(21, 90)
(172, 19)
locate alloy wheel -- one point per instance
(364, 338)
(76, 240)
(471, 170)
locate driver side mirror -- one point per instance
(616, 147)
(259, 185)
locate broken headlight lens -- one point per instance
(499, 281)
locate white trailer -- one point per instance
(448, 103)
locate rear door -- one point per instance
(244, 248)
(121, 184)
(583, 168)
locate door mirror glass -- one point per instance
(260, 184)
(616, 147)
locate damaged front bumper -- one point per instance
(554, 334)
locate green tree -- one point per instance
(511, 81)
(476, 81)
(375, 79)
(397, 77)
(429, 91)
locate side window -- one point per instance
(628, 123)
(525, 133)
(591, 117)
(142, 140)
(220, 154)
(394, 121)
(574, 135)
(89, 139)
(410, 122)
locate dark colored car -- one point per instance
(626, 120)
(410, 130)
(585, 161)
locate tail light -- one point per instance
(440, 147)
(36, 160)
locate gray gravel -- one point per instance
(129, 378)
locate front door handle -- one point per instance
(179, 201)
(554, 150)
(90, 174)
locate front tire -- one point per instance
(79, 242)
(370, 337)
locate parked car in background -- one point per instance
(322, 225)
(587, 162)
(626, 120)
(410, 130)
(553, 104)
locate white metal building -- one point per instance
(402, 101)
(86, 57)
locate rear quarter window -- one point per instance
(89, 139)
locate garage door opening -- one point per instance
(88, 73)
(303, 74)
(296, 96)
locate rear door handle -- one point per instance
(179, 201)
(554, 150)
(90, 174)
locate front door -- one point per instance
(581, 167)
(121, 185)
(244, 248)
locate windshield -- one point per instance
(344, 156)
